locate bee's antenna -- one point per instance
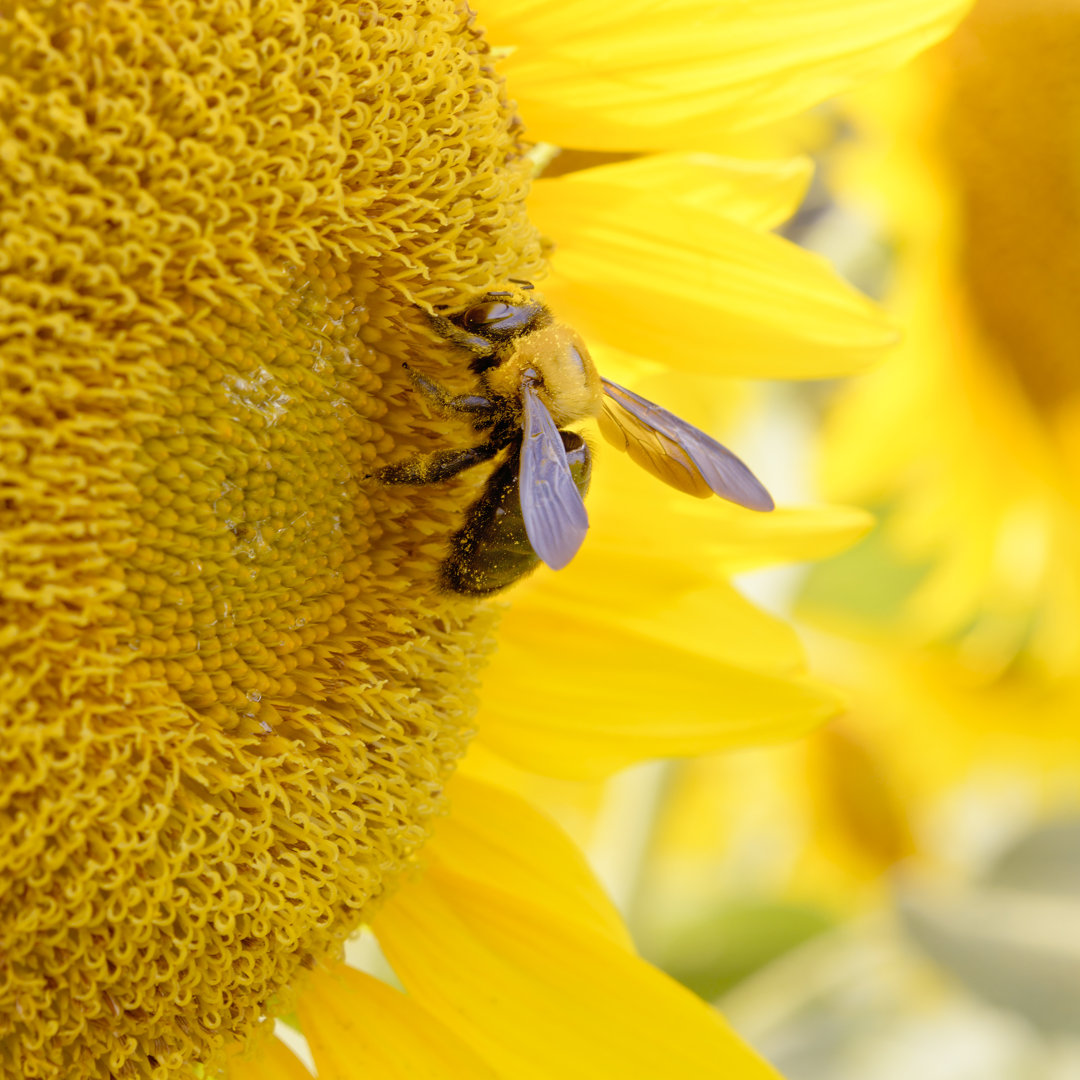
(524, 284)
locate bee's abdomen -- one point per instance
(491, 550)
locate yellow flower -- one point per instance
(232, 696)
(955, 629)
(968, 434)
(921, 765)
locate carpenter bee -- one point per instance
(536, 377)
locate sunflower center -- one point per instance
(1010, 133)
(230, 692)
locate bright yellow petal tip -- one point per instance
(681, 75)
(540, 996)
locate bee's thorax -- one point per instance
(562, 371)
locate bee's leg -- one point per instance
(437, 466)
(439, 396)
(474, 343)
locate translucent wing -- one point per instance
(555, 517)
(652, 450)
(677, 452)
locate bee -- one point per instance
(536, 378)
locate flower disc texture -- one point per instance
(226, 716)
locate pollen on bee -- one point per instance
(570, 384)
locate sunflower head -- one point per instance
(230, 695)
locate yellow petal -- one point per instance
(761, 194)
(501, 841)
(685, 543)
(540, 997)
(271, 1059)
(565, 699)
(705, 293)
(609, 587)
(679, 75)
(791, 534)
(359, 1028)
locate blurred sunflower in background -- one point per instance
(964, 439)
(233, 697)
(968, 434)
(897, 894)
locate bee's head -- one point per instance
(501, 317)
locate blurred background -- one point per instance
(899, 894)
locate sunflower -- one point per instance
(967, 436)
(952, 629)
(965, 439)
(233, 698)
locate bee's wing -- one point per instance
(652, 450)
(555, 517)
(677, 452)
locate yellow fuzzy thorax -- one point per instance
(555, 354)
(229, 694)
(571, 386)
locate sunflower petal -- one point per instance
(793, 534)
(358, 1027)
(707, 294)
(711, 618)
(541, 996)
(271, 1060)
(685, 544)
(502, 841)
(630, 76)
(761, 194)
(599, 701)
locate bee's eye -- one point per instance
(500, 322)
(486, 316)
